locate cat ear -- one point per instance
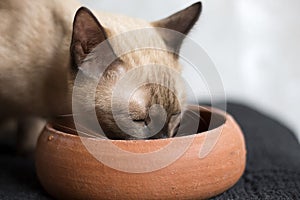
(182, 22)
(87, 34)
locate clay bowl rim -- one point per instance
(223, 114)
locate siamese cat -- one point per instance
(45, 43)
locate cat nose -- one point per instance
(152, 124)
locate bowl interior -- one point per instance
(205, 118)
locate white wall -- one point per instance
(254, 44)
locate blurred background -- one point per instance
(255, 46)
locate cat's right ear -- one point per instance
(87, 34)
(181, 22)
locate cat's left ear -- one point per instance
(87, 34)
(182, 22)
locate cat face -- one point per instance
(140, 94)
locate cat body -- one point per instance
(37, 69)
(34, 52)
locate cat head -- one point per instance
(152, 107)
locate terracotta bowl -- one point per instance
(70, 167)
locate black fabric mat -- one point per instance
(272, 172)
(273, 158)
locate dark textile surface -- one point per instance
(273, 158)
(272, 172)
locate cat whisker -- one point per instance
(81, 133)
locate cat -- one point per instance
(45, 43)
(34, 50)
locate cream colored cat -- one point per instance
(36, 75)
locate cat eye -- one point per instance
(175, 114)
